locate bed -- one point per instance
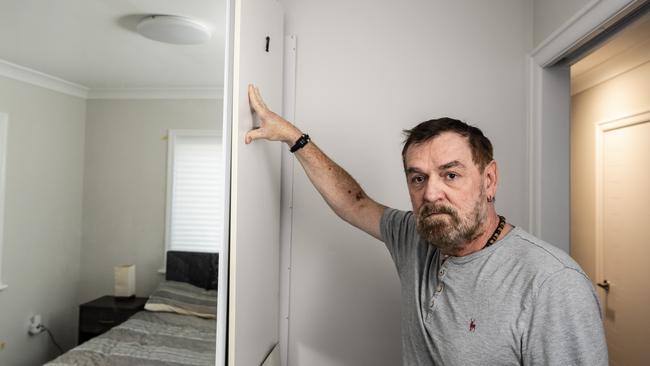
(178, 326)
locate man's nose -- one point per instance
(433, 191)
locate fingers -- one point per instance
(255, 99)
(257, 105)
(258, 98)
(253, 134)
(272, 126)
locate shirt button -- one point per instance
(439, 288)
(442, 272)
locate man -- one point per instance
(475, 289)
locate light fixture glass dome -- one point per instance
(174, 29)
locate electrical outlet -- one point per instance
(35, 325)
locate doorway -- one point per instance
(610, 173)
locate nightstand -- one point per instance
(102, 314)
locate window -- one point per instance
(4, 121)
(195, 196)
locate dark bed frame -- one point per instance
(198, 269)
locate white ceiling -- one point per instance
(93, 42)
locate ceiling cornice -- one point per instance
(43, 80)
(33, 77)
(156, 93)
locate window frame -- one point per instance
(4, 130)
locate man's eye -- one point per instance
(417, 179)
(451, 176)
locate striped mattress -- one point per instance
(148, 339)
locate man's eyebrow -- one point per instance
(411, 170)
(451, 164)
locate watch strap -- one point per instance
(300, 143)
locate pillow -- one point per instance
(183, 298)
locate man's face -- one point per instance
(448, 191)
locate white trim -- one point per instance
(592, 18)
(31, 76)
(286, 200)
(534, 139)
(4, 129)
(46, 81)
(233, 93)
(168, 193)
(156, 93)
(223, 294)
(602, 127)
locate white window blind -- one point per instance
(195, 191)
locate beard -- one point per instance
(450, 232)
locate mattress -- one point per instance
(147, 339)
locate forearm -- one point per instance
(341, 192)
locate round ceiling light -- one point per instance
(173, 29)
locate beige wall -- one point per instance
(125, 186)
(42, 242)
(626, 94)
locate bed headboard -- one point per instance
(198, 269)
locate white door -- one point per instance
(255, 186)
(626, 242)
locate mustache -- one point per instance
(428, 209)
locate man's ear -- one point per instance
(490, 178)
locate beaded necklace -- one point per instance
(497, 232)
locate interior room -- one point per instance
(94, 108)
(610, 115)
(91, 110)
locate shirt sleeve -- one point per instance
(397, 228)
(565, 326)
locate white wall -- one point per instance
(42, 220)
(549, 15)
(365, 71)
(125, 186)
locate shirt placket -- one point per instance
(440, 287)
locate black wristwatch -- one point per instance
(300, 143)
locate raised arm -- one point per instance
(341, 192)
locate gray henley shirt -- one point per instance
(520, 301)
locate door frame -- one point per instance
(548, 119)
(4, 150)
(224, 256)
